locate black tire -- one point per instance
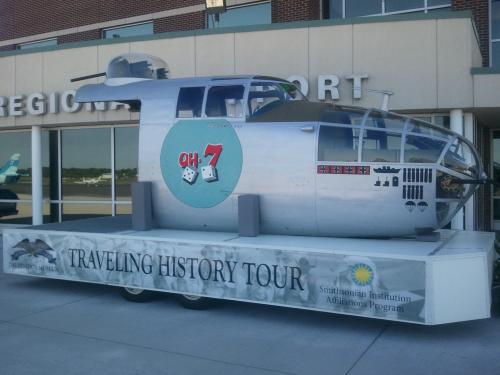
(137, 295)
(495, 293)
(194, 302)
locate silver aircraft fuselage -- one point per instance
(319, 169)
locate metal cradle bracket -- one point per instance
(248, 215)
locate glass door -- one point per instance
(495, 173)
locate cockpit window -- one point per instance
(225, 101)
(423, 149)
(190, 102)
(385, 121)
(338, 143)
(266, 96)
(418, 127)
(381, 146)
(460, 158)
(343, 116)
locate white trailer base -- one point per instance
(397, 279)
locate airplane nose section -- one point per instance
(462, 158)
(458, 176)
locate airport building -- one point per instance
(63, 160)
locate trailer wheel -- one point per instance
(137, 295)
(192, 302)
(495, 292)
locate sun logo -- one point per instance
(362, 274)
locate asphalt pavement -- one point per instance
(59, 327)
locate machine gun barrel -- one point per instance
(83, 78)
(482, 181)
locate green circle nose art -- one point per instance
(201, 161)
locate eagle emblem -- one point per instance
(34, 249)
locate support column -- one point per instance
(457, 125)
(36, 175)
(470, 211)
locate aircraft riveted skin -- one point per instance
(170, 211)
(381, 200)
(281, 172)
(279, 163)
(200, 165)
(261, 173)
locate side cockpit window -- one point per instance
(190, 102)
(264, 97)
(381, 146)
(420, 149)
(424, 144)
(382, 138)
(460, 158)
(225, 101)
(339, 135)
(338, 143)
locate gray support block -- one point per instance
(142, 208)
(428, 235)
(248, 215)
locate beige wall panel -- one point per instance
(400, 57)
(28, 80)
(28, 73)
(278, 53)
(477, 58)
(487, 90)
(330, 52)
(8, 83)
(7, 75)
(58, 68)
(215, 55)
(179, 54)
(455, 86)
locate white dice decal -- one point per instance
(189, 175)
(209, 173)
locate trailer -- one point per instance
(247, 191)
(398, 279)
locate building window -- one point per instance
(361, 8)
(87, 172)
(403, 5)
(436, 119)
(128, 31)
(495, 172)
(38, 44)
(126, 161)
(242, 15)
(15, 176)
(98, 166)
(495, 32)
(495, 53)
(356, 8)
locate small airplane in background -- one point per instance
(95, 181)
(89, 181)
(8, 173)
